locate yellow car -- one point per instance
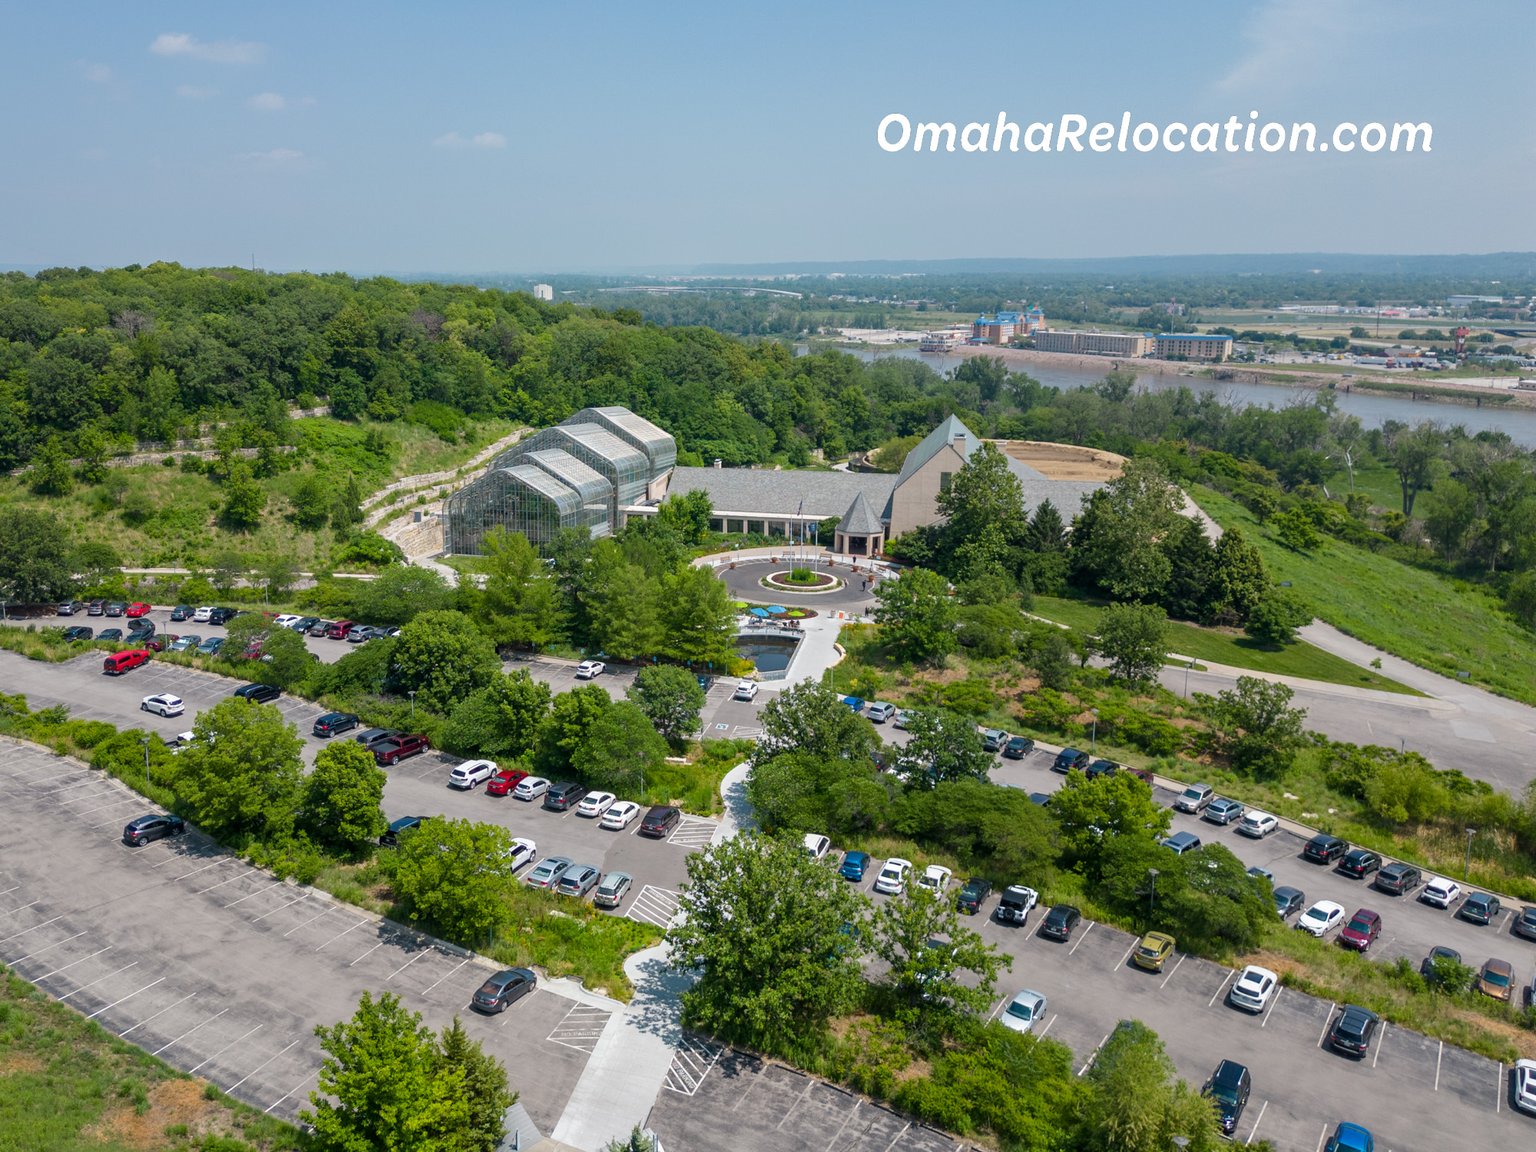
(1153, 951)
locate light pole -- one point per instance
(1467, 870)
(1187, 667)
(1093, 739)
(144, 740)
(412, 695)
(1152, 875)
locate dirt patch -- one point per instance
(19, 1062)
(917, 1070)
(1064, 461)
(171, 1102)
(1523, 1040)
(1281, 966)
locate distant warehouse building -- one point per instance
(1094, 343)
(1189, 346)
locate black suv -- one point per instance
(371, 736)
(1352, 1031)
(1018, 747)
(257, 693)
(1399, 879)
(976, 891)
(1060, 921)
(1069, 758)
(1324, 849)
(157, 827)
(1359, 863)
(400, 827)
(222, 615)
(78, 632)
(563, 795)
(333, 723)
(660, 821)
(1228, 1089)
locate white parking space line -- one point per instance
(1254, 1130)
(8, 891)
(311, 920)
(20, 907)
(258, 892)
(130, 996)
(1211, 1003)
(50, 948)
(98, 980)
(1092, 1056)
(280, 907)
(898, 1136)
(34, 927)
(444, 976)
(231, 880)
(116, 802)
(288, 1094)
(368, 953)
(71, 964)
(1321, 1138)
(162, 1012)
(260, 1066)
(1123, 959)
(406, 965)
(86, 797)
(1083, 937)
(1438, 1056)
(790, 1111)
(193, 1071)
(1169, 977)
(654, 906)
(137, 805)
(1047, 1027)
(1380, 1040)
(1498, 1090)
(1327, 1020)
(1273, 1000)
(204, 868)
(996, 1008)
(342, 933)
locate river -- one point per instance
(1373, 411)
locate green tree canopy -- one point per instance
(564, 731)
(1133, 639)
(811, 718)
(343, 799)
(620, 749)
(1089, 813)
(942, 746)
(485, 1088)
(1117, 538)
(1257, 729)
(916, 616)
(1135, 1101)
(403, 592)
(34, 557)
(450, 875)
(243, 773)
(671, 699)
(522, 602)
(443, 657)
(919, 935)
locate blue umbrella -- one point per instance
(760, 613)
(777, 609)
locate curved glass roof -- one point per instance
(589, 483)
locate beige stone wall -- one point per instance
(915, 501)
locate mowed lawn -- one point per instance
(1230, 646)
(1438, 624)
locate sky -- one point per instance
(512, 137)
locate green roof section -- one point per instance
(929, 445)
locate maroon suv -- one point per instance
(397, 748)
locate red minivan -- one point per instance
(338, 630)
(120, 662)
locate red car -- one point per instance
(504, 781)
(338, 630)
(1361, 931)
(136, 609)
(397, 748)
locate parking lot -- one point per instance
(221, 970)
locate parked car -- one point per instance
(186, 642)
(303, 624)
(257, 693)
(1350, 1138)
(815, 845)
(155, 827)
(993, 739)
(530, 788)
(880, 711)
(522, 853)
(1398, 879)
(973, 895)
(620, 815)
(893, 876)
(1324, 849)
(116, 608)
(1321, 918)
(143, 626)
(901, 719)
(334, 723)
(1024, 1011)
(1496, 978)
(78, 632)
(1440, 892)
(1014, 903)
(361, 633)
(501, 991)
(1018, 747)
(1289, 901)
(222, 616)
(1525, 923)
(1479, 908)
(1101, 768)
(1223, 811)
(1194, 799)
(398, 748)
(211, 646)
(1182, 842)
(563, 795)
(70, 607)
(368, 737)
(590, 669)
(577, 880)
(1359, 863)
(126, 661)
(856, 703)
(854, 865)
(201, 614)
(1152, 951)
(1256, 824)
(1228, 1090)
(745, 690)
(320, 628)
(1352, 1031)
(1251, 990)
(1060, 921)
(660, 821)
(504, 782)
(182, 612)
(936, 879)
(338, 629)
(466, 775)
(1361, 931)
(1069, 759)
(398, 828)
(137, 609)
(1438, 952)
(1260, 873)
(110, 634)
(549, 871)
(96, 608)
(163, 704)
(611, 891)
(1525, 1085)
(594, 804)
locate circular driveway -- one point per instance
(744, 583)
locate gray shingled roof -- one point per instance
(859, 520)
(761, 492)
(944, 434)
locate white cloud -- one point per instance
(273, 156)
(276, 102)
(213, 51)
(1292, 44)
(482, 140)
(195, 92)
(97, 73)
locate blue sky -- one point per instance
(516, 137)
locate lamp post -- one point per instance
(1152, 875)
(1467, 870)
(1187, 667)
(144, 740)
(1093, 738)
(412, 695)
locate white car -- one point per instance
(203, 614)
(181, 742)
(893, 876)
(746, 690)
(530, 788)
(1440, 892)
(470, 773)
(935, 878)
(164, 704)
(1254, 988)
(1525, 1085)
(901, 719)
(522, 853)
(1257, 824)
(1319, 919)
(816, 845)
(287, 619)
(620, 815)
(589, 669)
(1024, 1011)
(594, 804)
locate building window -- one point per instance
(945, 479)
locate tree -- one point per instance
(243, 773)
(984, 494)
(1413, 453)
(1238, 578)
(1090, 813)
(811, 718)
(346, 506)
(1133, 638)
(1116, 539)
(443, 657)
(34, 557)
(1452, 518)
(450, 875)
(1257, 729)
(774, 936)
(384, 1087)
(942, 746)
(229, 568)
(916, 615)
(1047, 532)
(799, 792)
(697, 620)
(1135, 1101)
(500, 720)
(619, 748)
(1187, 594)
(997, 832)
(636, 1141)
(343, 799)
(620, 601)
(1274, 619)
(311, 502)
(485, 1088)
(244, 499)
(687, 514)
(404, 591)
(277, 571)
(671, 699)
(95, 563)
(1294, 529)
(523, 604)
(565, 729)
(51, 475)
(919, 935)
